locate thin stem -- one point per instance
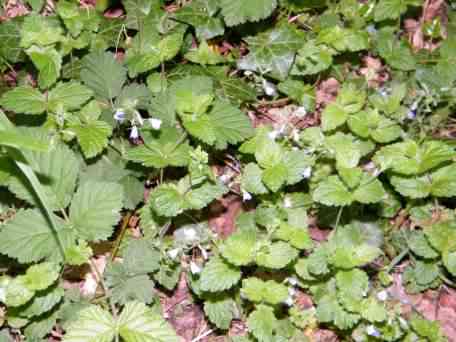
(339, 214)
(104, 288)
(64, 214)
(123, 229)
(396, 260)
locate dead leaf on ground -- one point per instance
(327, 91)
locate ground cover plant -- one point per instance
(227, 170)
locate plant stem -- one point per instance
(123, 229)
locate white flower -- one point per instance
(190, 233)
(292, 281)
(2, 294)
(155, 123)
(203, 252)
(194, 268)
(173, 253)
(289, 301)
(372, 331)
(295, 135)
(248, 73)
(224, 178)
(246, 196)
(119, 115)
(307, 172)
(287, 202)
(291, 291)
(269, 88)
(300, 111)
(134, 133)
(273, 135)
(382, 295)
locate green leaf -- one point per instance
(140, 256)
(251, 180)
(369, 191)
(238, 12)
(420, 246)
(271, 51)
(444, 181)
(397, 53)
(125, 286)
(276, 255)
(204, 55)
(95, 209)
(298, 237)
(92, 324)
(449, 260)
(57, 171)
(297, 164)
(330, 311)
(143, 57)
(167, 200)
(68, 96)
(42, 302)
(346, 150)
(275, 176)
(103, 74)
(344, 39)
(29, 238)
(262, 323)
(41, 276)
(24, 99)
(92, 137)
(161, 152)
(219, 275)
(312, 59)
(352, 286)
(20, 140)
(373, 311)
(239, 247)
(230, 124)
(40, 30)
(10, 36)
(259, 291)
(220, 310)
(17, 292)
(332, 192)
(390, 9)
(333, 116)
(415, 187)
(198, 15)
(48, 61)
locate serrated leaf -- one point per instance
(396, 52)
(42, 302)
(204, 55)
(95, 209)
(298, 237)
(10, 36)
(238, 12)
(24, 99)
(420, 246)
(48, 61)
(41, 276)
(57, 170)
(167, 200)
(352, 286)
(272, 51)
(389, 9)
(40, 30)
(219, 275)
(239, 247)
(329, 310)
(259, 291)
(92, 137)
(344, 39)
(333, 116)
(413, 187)
(140, 256)
(276, 255)
(103, 74)
(92, 324)
(275, 176)
(370, 190)
(28, 237)
(68, 96)
(373, 311)
(332, 192)
(125, 286)
(17, 292)
(220, 311)
(197, 14)
(251, 180)
(262, 323)
(312, 59)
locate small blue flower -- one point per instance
(411, 114)
(134, 133)
(120, 115)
